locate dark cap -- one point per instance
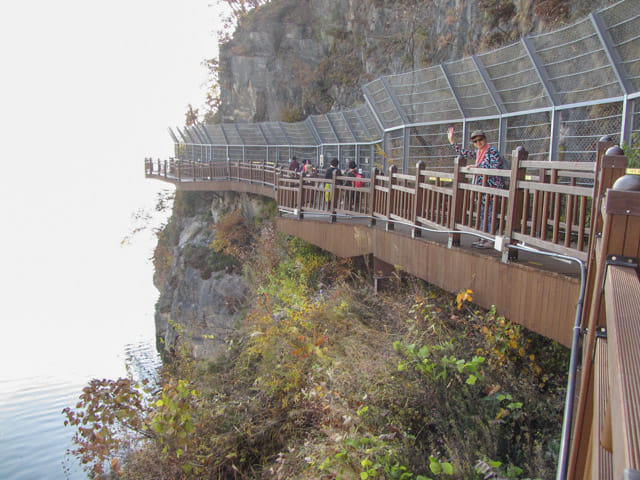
(477, 133)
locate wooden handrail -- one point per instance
(550, 211)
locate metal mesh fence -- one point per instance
(305, 153)
(533, 132)
(581, 128)
(515, 79)
(635, 117)
(470, 89)
(556, 94)
(424, 96)
(256, 155)
(577, 65)
(382, 103)
(429, 145)
(394, 147)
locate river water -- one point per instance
(77, 303)
(52, 352)
(33, 439)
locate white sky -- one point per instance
(87, 90)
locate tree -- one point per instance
(191, 117)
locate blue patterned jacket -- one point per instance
(492, 159)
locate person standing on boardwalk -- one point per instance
(293, 164)
(328, 175)
(353, 173)
(333, 166)
(485, 156)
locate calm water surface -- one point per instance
(33, 438)
(82, 308)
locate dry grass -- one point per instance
(311, 386)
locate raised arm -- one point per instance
(461, 151)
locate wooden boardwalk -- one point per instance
(554, 230)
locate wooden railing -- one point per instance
(606, 436)
(546, 205)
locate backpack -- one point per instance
(358, 184)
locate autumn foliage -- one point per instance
(323, 378)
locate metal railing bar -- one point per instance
(520, 87)
(514, 74)
(568, 44)
(561, 29)
(626, 20)
(584, 72)
(629, 40)
(612, 54)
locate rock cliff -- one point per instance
(294, 58)
(202, 291)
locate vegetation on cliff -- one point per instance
(324, 379)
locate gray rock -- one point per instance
(197, 305)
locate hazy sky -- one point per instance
(88, 89)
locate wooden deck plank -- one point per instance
(622, 299)
(602, 460)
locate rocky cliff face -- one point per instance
(293, 58)
(202, 292)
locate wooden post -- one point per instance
(612, 165)
(417, 201)
(603, 145)
(383, 274)
(372, 198)
(276, 179)
(300, 194)
(540, 204)
(516, 199)
(456, 200)
(332, 199)
(390, 204)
